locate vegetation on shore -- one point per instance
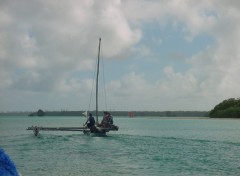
(40, 112)
(114, 113)
(126, 113)
(229, 108)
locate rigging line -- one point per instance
(104, 84)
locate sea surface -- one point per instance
(142, 146)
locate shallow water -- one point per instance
(142, 146)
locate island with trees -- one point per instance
(40, 112)
(229, 108)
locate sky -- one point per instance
(156, 55)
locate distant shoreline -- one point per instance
(183, 115)
(115, 113)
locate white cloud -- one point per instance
(213, 72)
(43, 43)
(59, 37)
(171, 93)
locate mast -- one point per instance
(97, 80)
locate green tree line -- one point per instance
(125, 113)
(229, 108)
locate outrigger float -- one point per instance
(95, 130)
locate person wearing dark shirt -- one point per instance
(90, 121)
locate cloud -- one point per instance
(47, 48)
(220, 61)
(195, 16)
(214, 70)
(51, 39)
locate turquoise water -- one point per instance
(142, 146)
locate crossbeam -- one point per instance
(37, 129)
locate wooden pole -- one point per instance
(97, 80)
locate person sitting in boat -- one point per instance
(90, 121)
(107, 120)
